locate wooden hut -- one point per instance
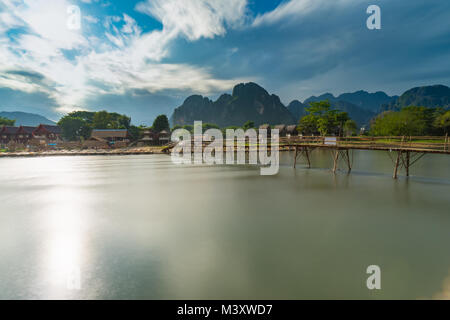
(291, 131)
(8, 134)
(50, 134)
(163, 137)
(281, 129)
(117, 138)
(95, 143)
(148, 138)
(265, 127)
(25, 134)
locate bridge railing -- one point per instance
(431, 143)
(428, 143)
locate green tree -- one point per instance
(6, 122)
(442, 122)
(409, 121)
(79, 124)
(135, 132)
(119, 121)
(350, 127)
(161, 123)
(207, 126)
(248, 125)
(323, 123)
(323, 120)
(87, 116)
(101, 120)
(189, 128)
(73, 128)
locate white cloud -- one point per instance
(297, 8)
(90, 19)
(48, 20)
(130, 25)
(121, 59)
(195, 19)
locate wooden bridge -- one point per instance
(403, 151)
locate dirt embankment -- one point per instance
(84, 152)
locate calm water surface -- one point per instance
(141, 227)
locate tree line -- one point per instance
(6, 122)
(78, 125)
(320, 119)
(412, 121)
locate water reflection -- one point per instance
(64, 241)
(140, 227)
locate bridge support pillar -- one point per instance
(408, 163)
(405, 159)
(305, 151)
(397, 163)
(344, 154)
(336, 160)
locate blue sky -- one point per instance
(143, 58)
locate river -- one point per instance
(141, 227)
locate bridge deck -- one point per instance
(366, 147)
(406, 150)
(437, 145)
(427, 144)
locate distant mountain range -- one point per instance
(247, 102)
(361, 106)
(429, 96)
(26, 119)
(364, 100)
(252, 102)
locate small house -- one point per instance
(163, 137)
(148, 138)
(265, 127)
(48, 133)
(25, 134)
(281, 129)
(291, 131)
(117, 138)
(8, 134)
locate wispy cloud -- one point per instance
(121, 59)
(296, 8)
(195, 19)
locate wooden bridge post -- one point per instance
(397, 163)
(408, 161)
(336, 159)
(295, 158)
(298, 152)
(349, 164)
(307, 157)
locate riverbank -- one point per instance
(86, 152)
(94, 152)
